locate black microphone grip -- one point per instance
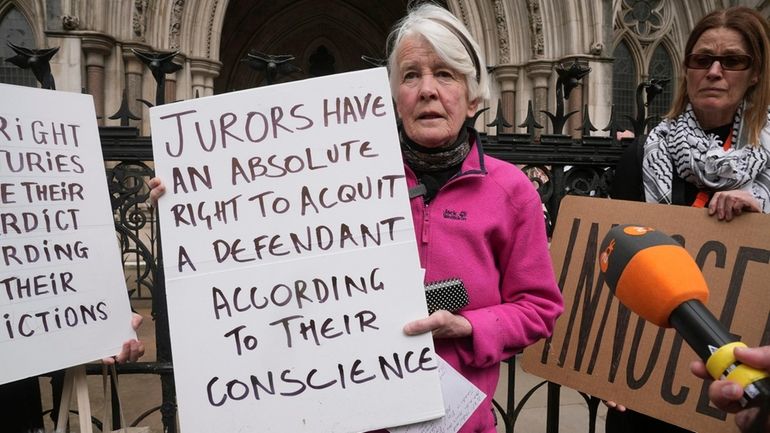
(699, 328)
(706, 336)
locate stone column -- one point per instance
(96, 47)
(574, 124)
(506, 78)
(170, 94)
(66, 65)
(203, 71)
(209, 84)
(575, 103)
(171, 79)
(134, 72)
(539, 71)
(197, 85)
(599, 92)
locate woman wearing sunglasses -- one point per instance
(713, 147)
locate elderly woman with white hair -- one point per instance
(478, 220)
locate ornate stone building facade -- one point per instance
(522, 41)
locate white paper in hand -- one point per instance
(461, 398)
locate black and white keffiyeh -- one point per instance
(681, 144)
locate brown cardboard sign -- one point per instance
(601, 348)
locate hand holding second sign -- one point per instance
(157, 189)
(132, 350)
(442, 324)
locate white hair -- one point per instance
(445, 33)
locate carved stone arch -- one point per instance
(593, 18)
(186, 20)
(271, 44)
(306, 57)
(462, 10)
(520, 40)
(215, 14)
(662, 102)
(352, 28)
(490, 22)
(487, 28)
(483, 26)
(637, 52)
(684, 18)
(648, 24)
(114, 21)
(193, 27)
(534, 16)
(572, 20)
(34, 12)
(475, 17)
(200, 28)
(674, 54)
(176, 24)
(167, 25)
(159, 21)
(552, 13)
(18, 17)
(155, 23)
(501, 17)
(624, 94)
(580, 30)
(141, 13)
(85, 15)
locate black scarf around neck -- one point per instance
(433, 159)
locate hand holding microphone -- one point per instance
(657, 279)
(726, 394)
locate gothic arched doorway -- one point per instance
(325, 37)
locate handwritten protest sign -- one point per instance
(600, 347)
(63, 298)
(290, 260)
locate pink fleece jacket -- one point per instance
(486, 227)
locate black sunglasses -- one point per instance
(730, 62)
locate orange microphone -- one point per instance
(652, 275)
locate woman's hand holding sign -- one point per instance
(442, 324)
(132, 350)
(157, 189)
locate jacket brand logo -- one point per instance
(454, 215)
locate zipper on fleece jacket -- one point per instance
(425, 224)
(425, 236)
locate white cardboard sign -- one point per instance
(290, 260)
(63, 299)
